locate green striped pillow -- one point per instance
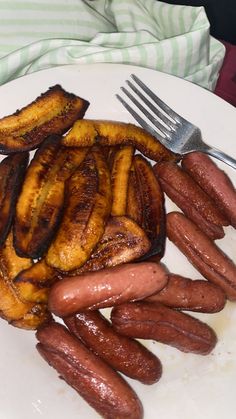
(37, 34)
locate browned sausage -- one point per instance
(103, 388)
(165, 325)
(122, 353)
(202, 252)
(105, 288)
(214, 181)
(191, 199)
(187, 294)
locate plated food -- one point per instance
(51, 113)
(89, 202)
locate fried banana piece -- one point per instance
(54, 112)
(109, 153)
(13, 308)
(87, 132)
(12, 171)
(40, 204)
(134, 207)
(123, 241)
(151, 197)
(87, 208)
(120, 179)
(35, 282)
(11, 263)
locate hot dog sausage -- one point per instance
(185, 294)
(106, 288)
(103, 388)
(214, 181)
(202, 252)
(122, 353)
(191, 199)
(165, 325)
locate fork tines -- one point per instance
(162, 116)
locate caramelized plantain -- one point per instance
(150, 195)
(12, 171)
(87, 208)
(120, 179)
(54, 112)
(109, 153)
(134, 203)
(35, 282)
(40, 204)
(86, 133)
(13, 308)
(11, 263)
(123, 241)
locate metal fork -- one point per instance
(175, 132)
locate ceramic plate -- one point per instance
(192, 386)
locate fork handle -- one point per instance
(220, 156)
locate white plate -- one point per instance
(191, 386)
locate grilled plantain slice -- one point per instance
(150, 195)
(11, 263)
(109, 153)
(35, 282)
(134, 207)
(87, 208)
(12, 307)
(120, 179)
(41, 201)
(87, 132)
(123, 241)
(54, 112)
(12, 171)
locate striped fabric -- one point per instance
(38, 34)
